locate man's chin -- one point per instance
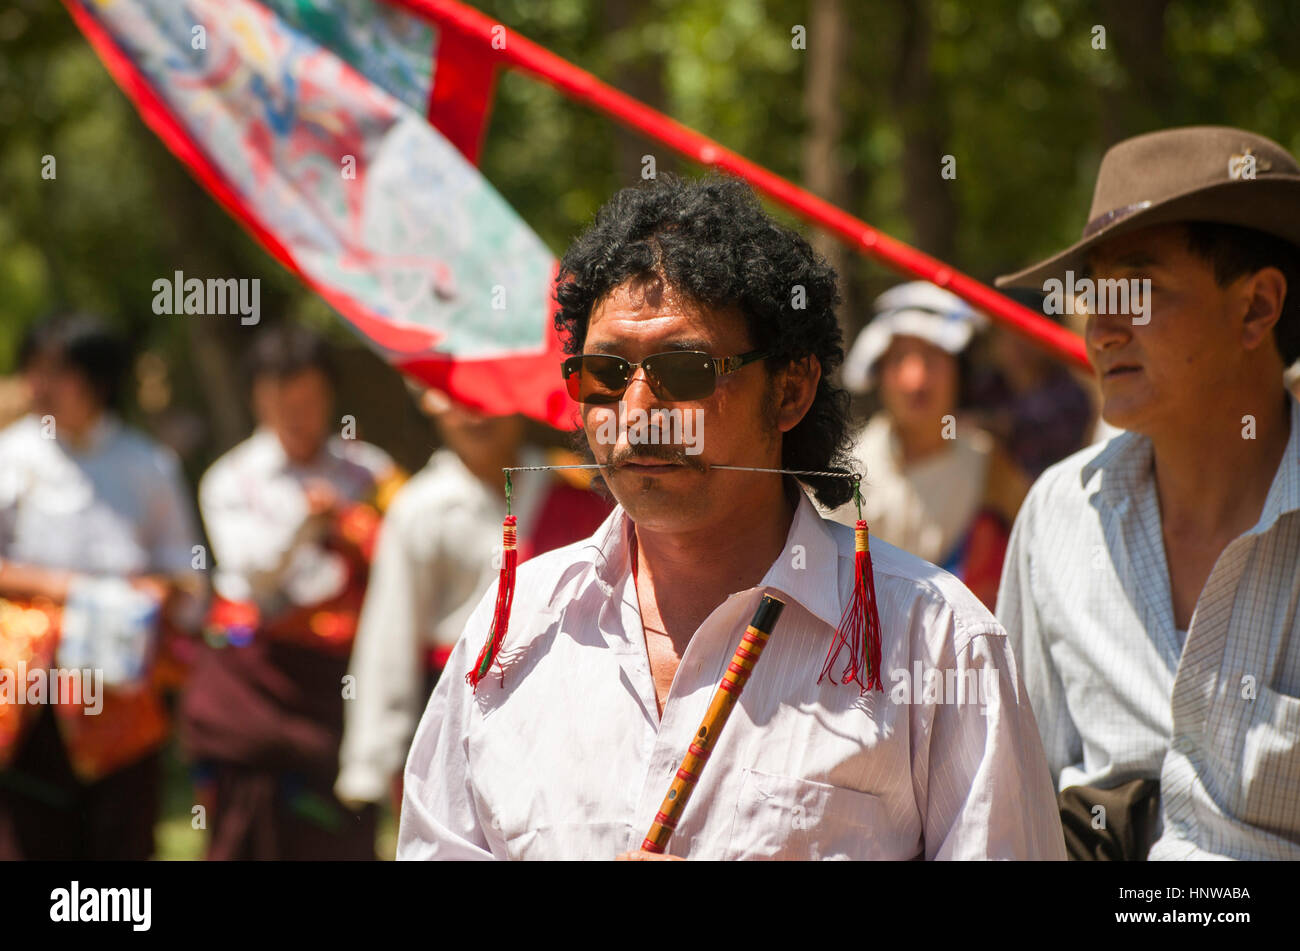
(1125, 413)
(658, 497)
(666, 482)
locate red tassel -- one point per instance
(860, 621)
(501, 616)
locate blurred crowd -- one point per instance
(292, 644)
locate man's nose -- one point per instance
(1104, 331)
(639, 395)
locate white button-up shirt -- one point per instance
(1120, 694)
(570, 758)
(115, 505)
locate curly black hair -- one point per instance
(712, 242)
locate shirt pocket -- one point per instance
(1270, 766)
(778, 817)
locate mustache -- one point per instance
(657, 452)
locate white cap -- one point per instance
(916, 309)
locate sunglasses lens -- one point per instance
(596, 378)
(684, 375)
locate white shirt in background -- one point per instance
(255, 510)
(115, 505)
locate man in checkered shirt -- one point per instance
(1151, 584)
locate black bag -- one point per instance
(1129, 821)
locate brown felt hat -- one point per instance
(1197, 173)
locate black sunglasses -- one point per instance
(676, 376)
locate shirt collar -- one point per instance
(1126, 466)
(808, 567)
(801, 571)
(272, 455)
(268, 449)
(1125, 462)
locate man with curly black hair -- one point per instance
(703, 335)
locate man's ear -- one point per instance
(1265, 292)
(797, 388)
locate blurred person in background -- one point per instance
(1037, 408)
(15, 401)
(438, 551)
(292, 513)
(939, 489)
(97, 539)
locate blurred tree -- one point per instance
(636, 67)
(822, 166)
(929, 171)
